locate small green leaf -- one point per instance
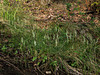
(38, 63)
(45, 57)
(4, 48)
(34, 58)
(54, 63)
(76, 51)
(73, 64)
(43, 60)
(0, 44)
(16, 52)
(68, 6)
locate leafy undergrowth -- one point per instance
(64, 47)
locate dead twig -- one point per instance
(40, 70)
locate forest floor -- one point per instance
(57, 57)
(46, 14)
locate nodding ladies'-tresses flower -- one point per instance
(22, 39)
(34, 42)
(33, 33)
